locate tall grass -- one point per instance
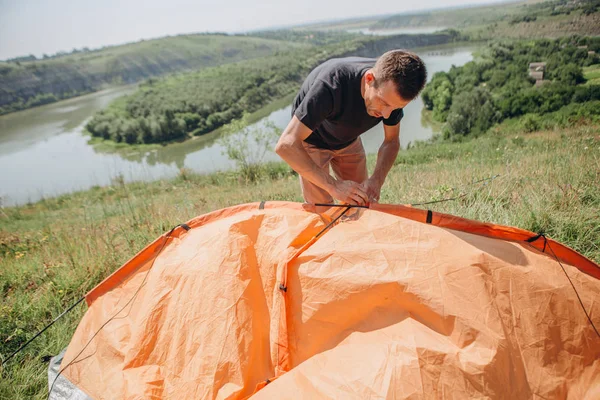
(54, 251)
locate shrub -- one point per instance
(247, 146)
(530, 123)
(471, 112)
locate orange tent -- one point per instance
(275, 301)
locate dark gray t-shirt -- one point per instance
(330, 103)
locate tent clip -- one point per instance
(536, 237)
(281, 287)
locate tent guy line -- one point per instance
(347, 206)
(571, 282)
(42, 331)
(486, 180)
(167, 236)
(500, 281)
(282, 286)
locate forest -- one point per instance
(194, 103)
(31, 82)
(472, 98)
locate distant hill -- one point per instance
(25, 84)
(448, 17)
(512, 19)
(451, 18)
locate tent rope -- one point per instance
(118, 312)
(339, 205)
(547, 243)
(348, 207)
(317, 204)
(486, 180)
(42, 331)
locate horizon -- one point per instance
(17, 23)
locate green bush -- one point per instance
(471, 112)
(473, 97)
(530, 123)
(437, 96)
(199, 102)
(247, 146)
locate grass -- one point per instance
(117, 65)
(487, 22)
(592, 74)
(200, 48)
(109, 146)
(545, 26)
(547, 181)
(54, 251)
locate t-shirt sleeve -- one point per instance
(316, 105)
(394, 118)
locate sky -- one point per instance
(48, 26)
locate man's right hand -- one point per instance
(349, 192)
(290, 149)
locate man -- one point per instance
(340, 100)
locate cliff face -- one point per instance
(27, 84)
(34, 83)
(57, 81)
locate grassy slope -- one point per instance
(545, 26)
(457, 17)
(592, 74)
(203, 49)
(56, 250)
(485, 22)
(128, 63)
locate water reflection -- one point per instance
(398, 31)
(43, 151)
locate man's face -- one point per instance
(380, 101)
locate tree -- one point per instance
(571, 74)
(471, 112)
(247, 146)
(437, 96)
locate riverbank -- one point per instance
(48, 155)
(55, 250)
(109, 146)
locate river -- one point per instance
(44, 152)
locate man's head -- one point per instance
(397, 78)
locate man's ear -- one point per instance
(369, 77)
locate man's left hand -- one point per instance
(373, 189)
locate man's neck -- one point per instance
(362, 84)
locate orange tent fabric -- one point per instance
(389, 302)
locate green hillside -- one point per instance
(521, 19)
(455, 18)
(503, 84)
(31, 83)
(195, 103)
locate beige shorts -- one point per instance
(349, 163)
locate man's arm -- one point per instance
(385, 160)
(290, 149)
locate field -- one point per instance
(520, 19)
(54, 251)
(26, 84)
(592, 74)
